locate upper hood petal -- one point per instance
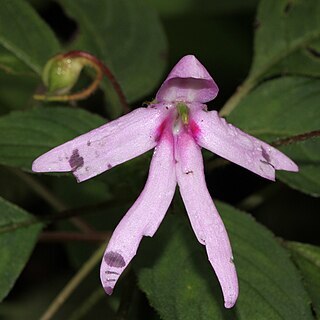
(188, 81)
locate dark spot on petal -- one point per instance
(87, 169)
(111, 272)
(109, 166)
(89, 143)
(265, 154)
(111, 280)
(167, 108)
(314, 52)
(188, 172)
(108, 290)
(75, 161)
(114, 259)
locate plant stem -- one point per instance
(88, 304)
(297, 138)
(40, 190)
(240, 93)
(63, 236)
(49, 218)
(73, 284)
(51, 199)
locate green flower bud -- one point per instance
(61, 73)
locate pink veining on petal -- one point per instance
(203, 215)
(194, 129)
(188, 81)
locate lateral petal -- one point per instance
(144, 217)
(203, 215)
(229, 142)
(105, 147)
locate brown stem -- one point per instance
(297, 138)
(106, 71)
(101, 69)
(63, 236)
(50, 218)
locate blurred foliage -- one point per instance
(182, 286)
(139, 40)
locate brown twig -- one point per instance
(100, 68)
(65, 236)
(297, 138)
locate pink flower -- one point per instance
(177, 125)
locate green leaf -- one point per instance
(10, 64)
(180, 283)
(127, 36)
(15, 247)
(15, 92)
(25, 35)
(283, 108)
(26, 135)
(307, 258)
(214, 7)
(287, 38)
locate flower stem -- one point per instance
(101, 69)
(51, 199)
(240, 93)
(73, 284)
(63, 215)
(88, 304)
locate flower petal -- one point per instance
(189, 81)
(144, 217)
(203, 215)
(105, 147)
(229, 142)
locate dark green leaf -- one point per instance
(127, 36)
(181, 285)
(307, 258)
(283, 108)
(16, 92)
(15, 247)
(193, 7)
(10, 64)
(285, 40)
(26, 135)
(25, 35)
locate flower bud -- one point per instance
(61, 73)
